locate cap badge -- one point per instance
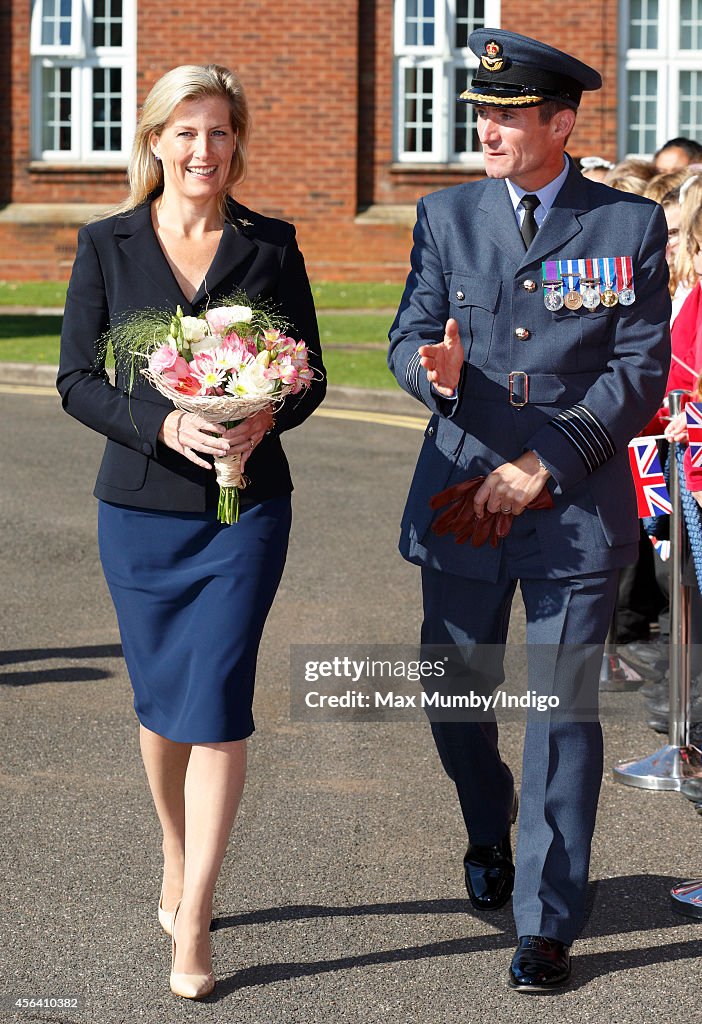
(492, 59)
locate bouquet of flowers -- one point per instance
(226, 364)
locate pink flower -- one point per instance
(300, 356)
(288, 372)
(179, 369)
(187, 386)
(270, 338)
(163, 358)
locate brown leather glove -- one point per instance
(461, 520)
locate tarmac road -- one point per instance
(341, 898)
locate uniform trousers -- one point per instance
(567, 624)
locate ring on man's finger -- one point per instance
(251, 443)
(506, 511)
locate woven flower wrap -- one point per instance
(221, 409)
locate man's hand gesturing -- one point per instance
(444, 361)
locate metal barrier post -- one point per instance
(675, 762)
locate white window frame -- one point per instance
(443, 60)
(668, 60)
(83, 59)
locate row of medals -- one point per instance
(589, 296)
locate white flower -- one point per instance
(209, 342)
(223, 317)
(252, 380)
(194, 329)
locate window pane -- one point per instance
(690, 124)
(642, 110)
(107, 109)
(470, 14)
(643, 26)
(419, 23)
(56, 108)
(465, 136)
(56, 23)
(690, 24)
(107, 23)
(418, 108)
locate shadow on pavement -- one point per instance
(53, 675)
(631, 903)
(45, 653)
(63, 674)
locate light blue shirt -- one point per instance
(547, 196)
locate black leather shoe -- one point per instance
(539, 965)
(489, 871)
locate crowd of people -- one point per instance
(673, 178)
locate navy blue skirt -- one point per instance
(192, 597)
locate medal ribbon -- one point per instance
(550, 272)
(622, 280)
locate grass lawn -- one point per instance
(29, 339)
(32, 293)
(356, 295)
(358, 369)
(35, 339)
(354, 329)
(327, 294)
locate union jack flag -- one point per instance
(652, 495)
(693, 411)
(662, 548)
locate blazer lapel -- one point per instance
(235, 247)
(499, 223)
(138, 241)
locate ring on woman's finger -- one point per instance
(251, 443)
(506, 511)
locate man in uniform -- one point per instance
(534, 326)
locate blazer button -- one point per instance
(522, 333)
(460, 295)
(529, 285)
(147, 448)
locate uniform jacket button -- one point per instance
(521, 333)
(430, 432)
(460, 295)
(529, 285)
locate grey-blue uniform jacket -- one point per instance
(595, 377)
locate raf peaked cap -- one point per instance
(516, 71)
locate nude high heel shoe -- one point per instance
(165, 917)
(189, 986)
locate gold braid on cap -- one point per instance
(499, 101)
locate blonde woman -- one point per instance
(191, 594)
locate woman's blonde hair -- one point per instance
(631, 176)
(663, 184)
(690, 229)
(181, 85)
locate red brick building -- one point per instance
(353, 103)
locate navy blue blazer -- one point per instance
(595, 377)
(119, 267)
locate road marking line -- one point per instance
(382, 418)
(29, 389)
